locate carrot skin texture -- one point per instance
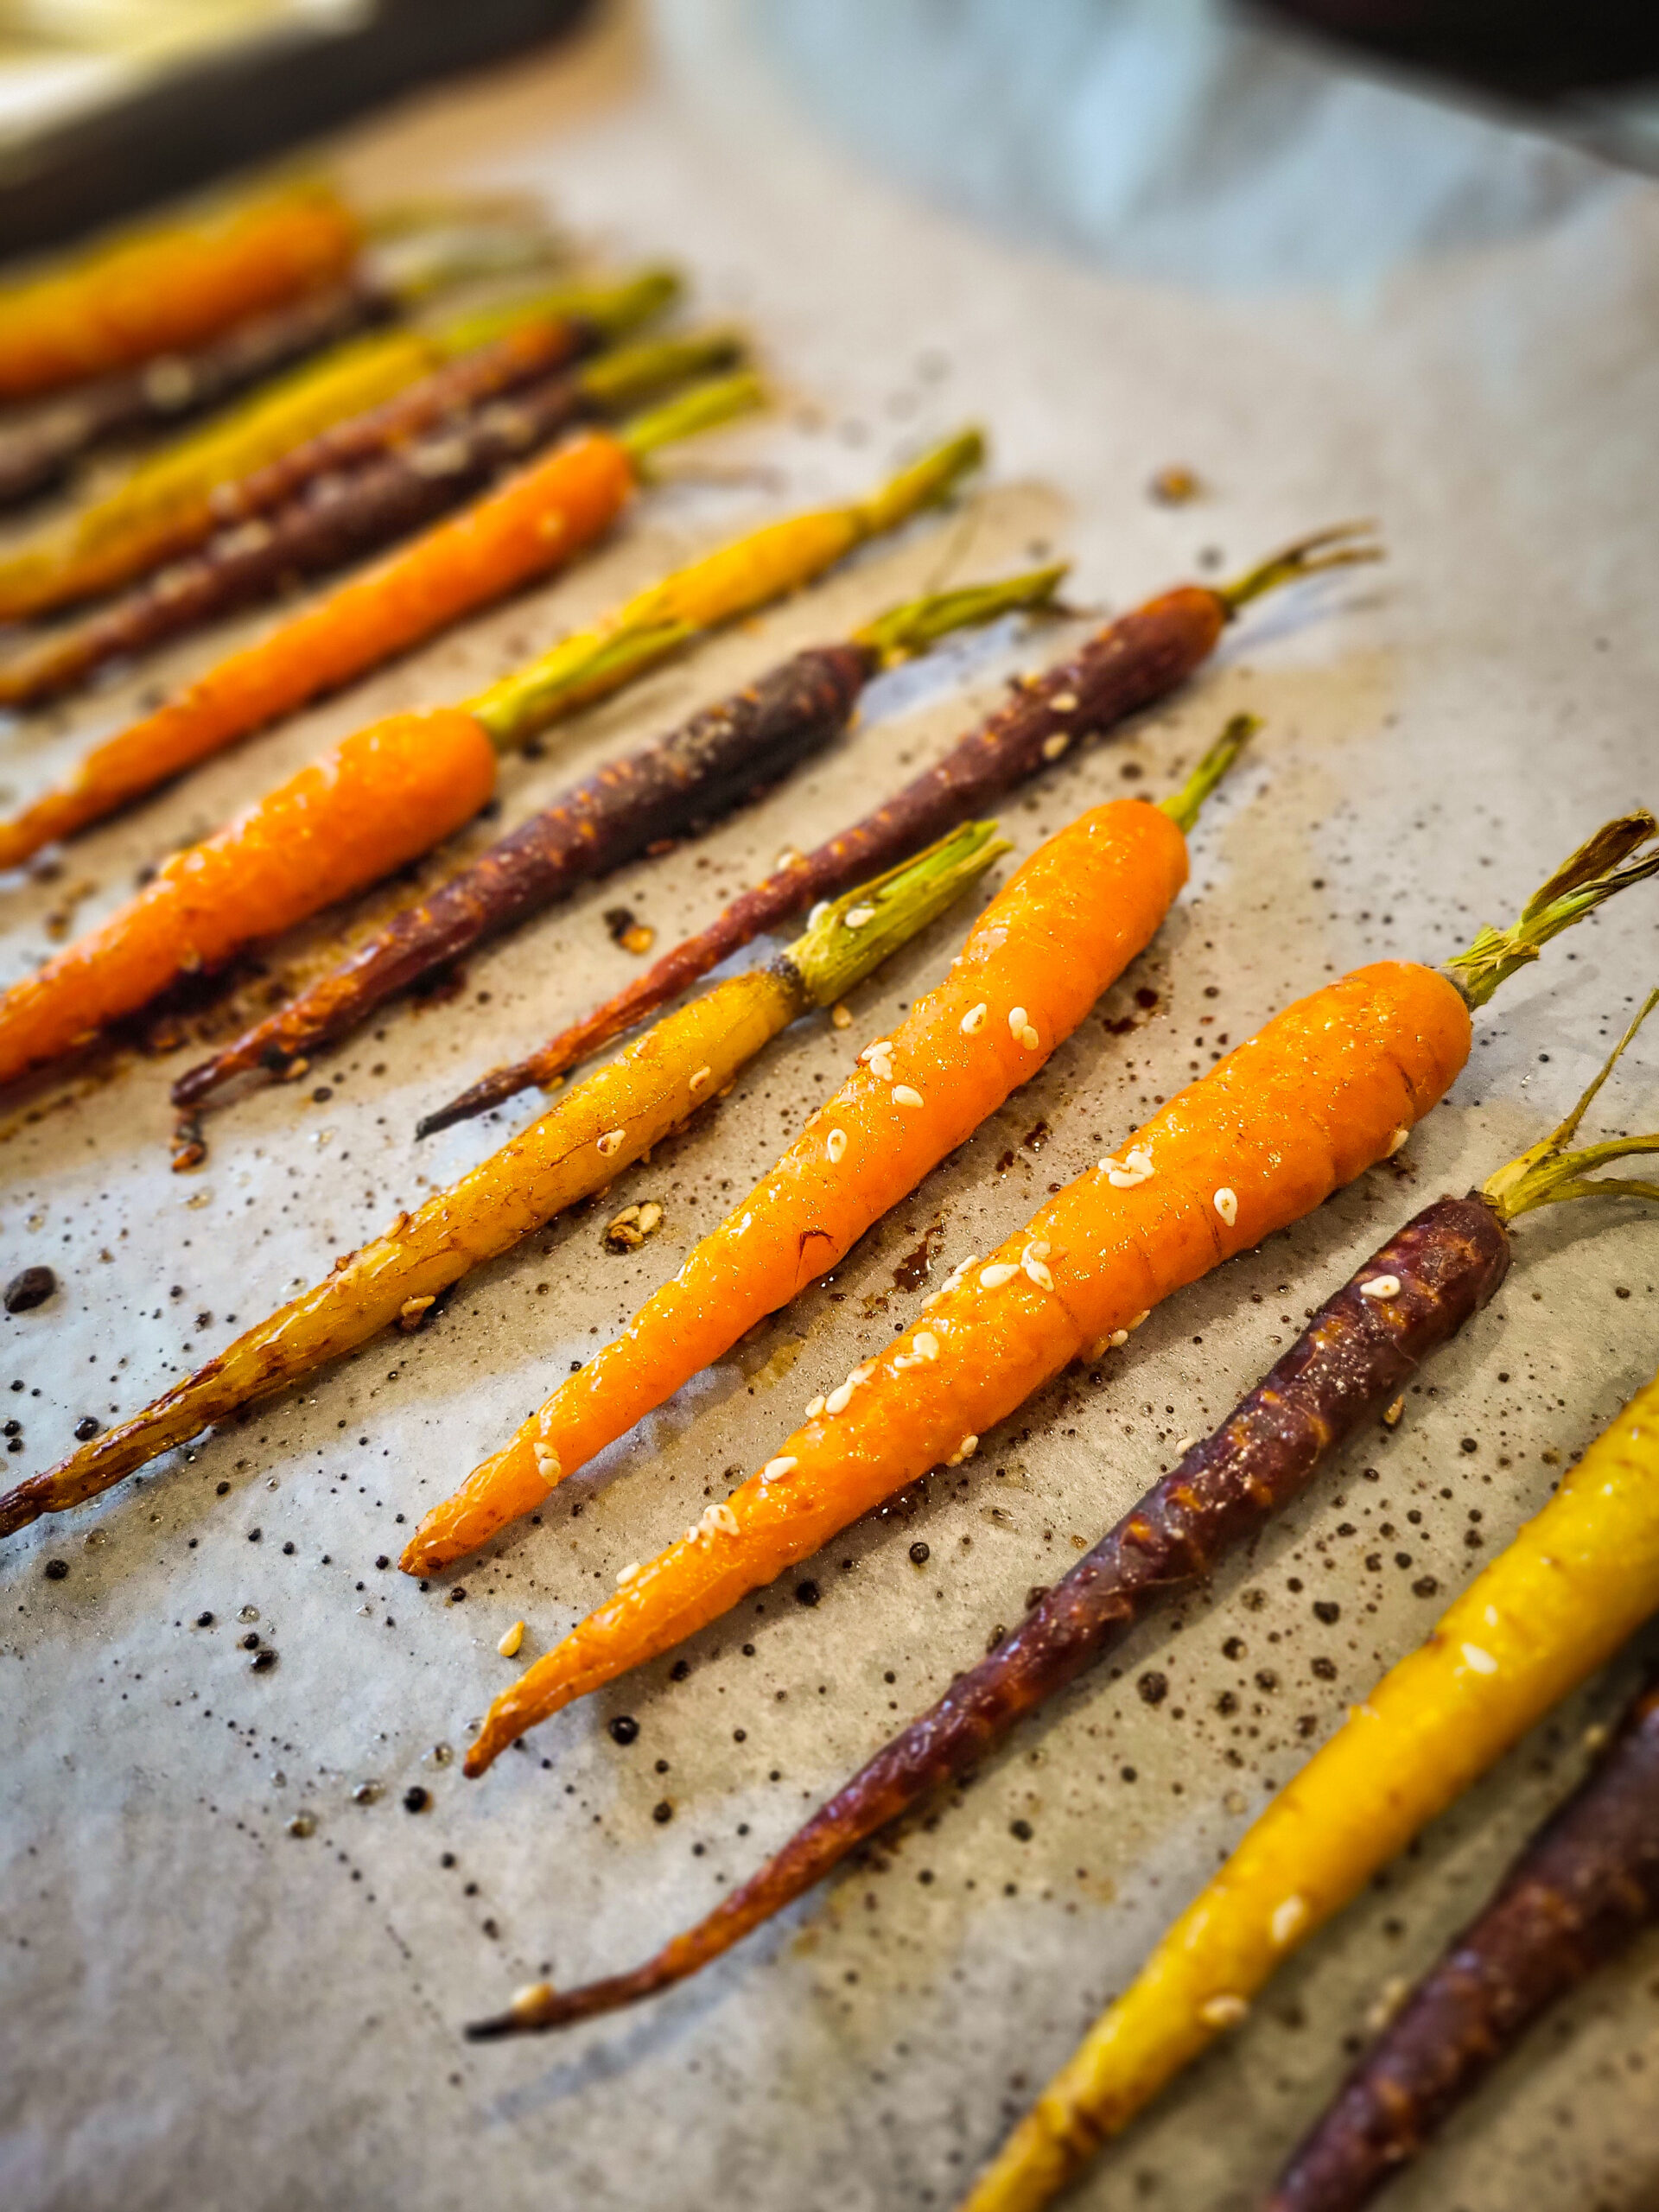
(1133, 661)
(1579, 1579)
(696, 772)
(1064, 925)
(646, 1092)
(169, 287)
(374, 801)
(332, 518)
(536, 520)
(1577, 1897)
(1350, 1361)
(1297, 1110)
(35, 451)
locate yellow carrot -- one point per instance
(1550, 1610)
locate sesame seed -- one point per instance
(965, 1450)
(1037, 1273)
(858, 918)
(775, 1470)
(836, 1144)
(1144, 1314)
(840, 1015)
(925, 1344)
(627, 1574)
(815, 1405)
(839, 1399)
(993, 1277)
(1065, 703)
(510, 1643)
(1222, 2011)
(974, 1021)
(903, 1096)
(817, 913)
(1226, 1205)
(881, 1048)
(1482, 1662)
(1037, 1248)
(1393, 1413)
(1381, 1287)
(1053, 747)
(1118, 1338)
(546, 1463)
(1183, 1444)
(612, 1142)
(1288, 1918)
(1399, 1138)
(1016, 1019)
(1029, 1038)
(703, 1076)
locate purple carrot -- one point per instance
(726, 754)
(1579, 1895)
(1353, 1359)
(1141, 657)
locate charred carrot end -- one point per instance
(1578, 1580)
(171, 286)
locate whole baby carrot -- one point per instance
(320, 646)
(1329, 1086)
(351, 512)
(1139, 657)
(735, 749)
(359, 390)
(545, 512)
(170, 285)
(1086, 902)
(1356, 1355)
(576, 1147)
(1577, 1897)
(1578, 1580)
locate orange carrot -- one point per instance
(1329, 1086)
(171, 286)
(370, 804)
(1069, 921)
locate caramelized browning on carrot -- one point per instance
(1299, 1110)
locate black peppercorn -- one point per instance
(624, 1728)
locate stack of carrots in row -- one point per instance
(378, 436)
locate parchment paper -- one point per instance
(204, 2008)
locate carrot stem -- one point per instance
(1601, 867)
(1549, 1174)
(703, 408)
(1184, 807)
(1334, 547)
(904, 631)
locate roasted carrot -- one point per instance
(540, 516)
(576, 1147)
(1356, 1354)
(1086, 902)
(1328, 1087)
(351, 511)
(37, 449)
(1578, 1580)
(1577, 1897)
(174, 499)
(727, 752)
(1138, 658)
(170, 285)
(302, 658)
